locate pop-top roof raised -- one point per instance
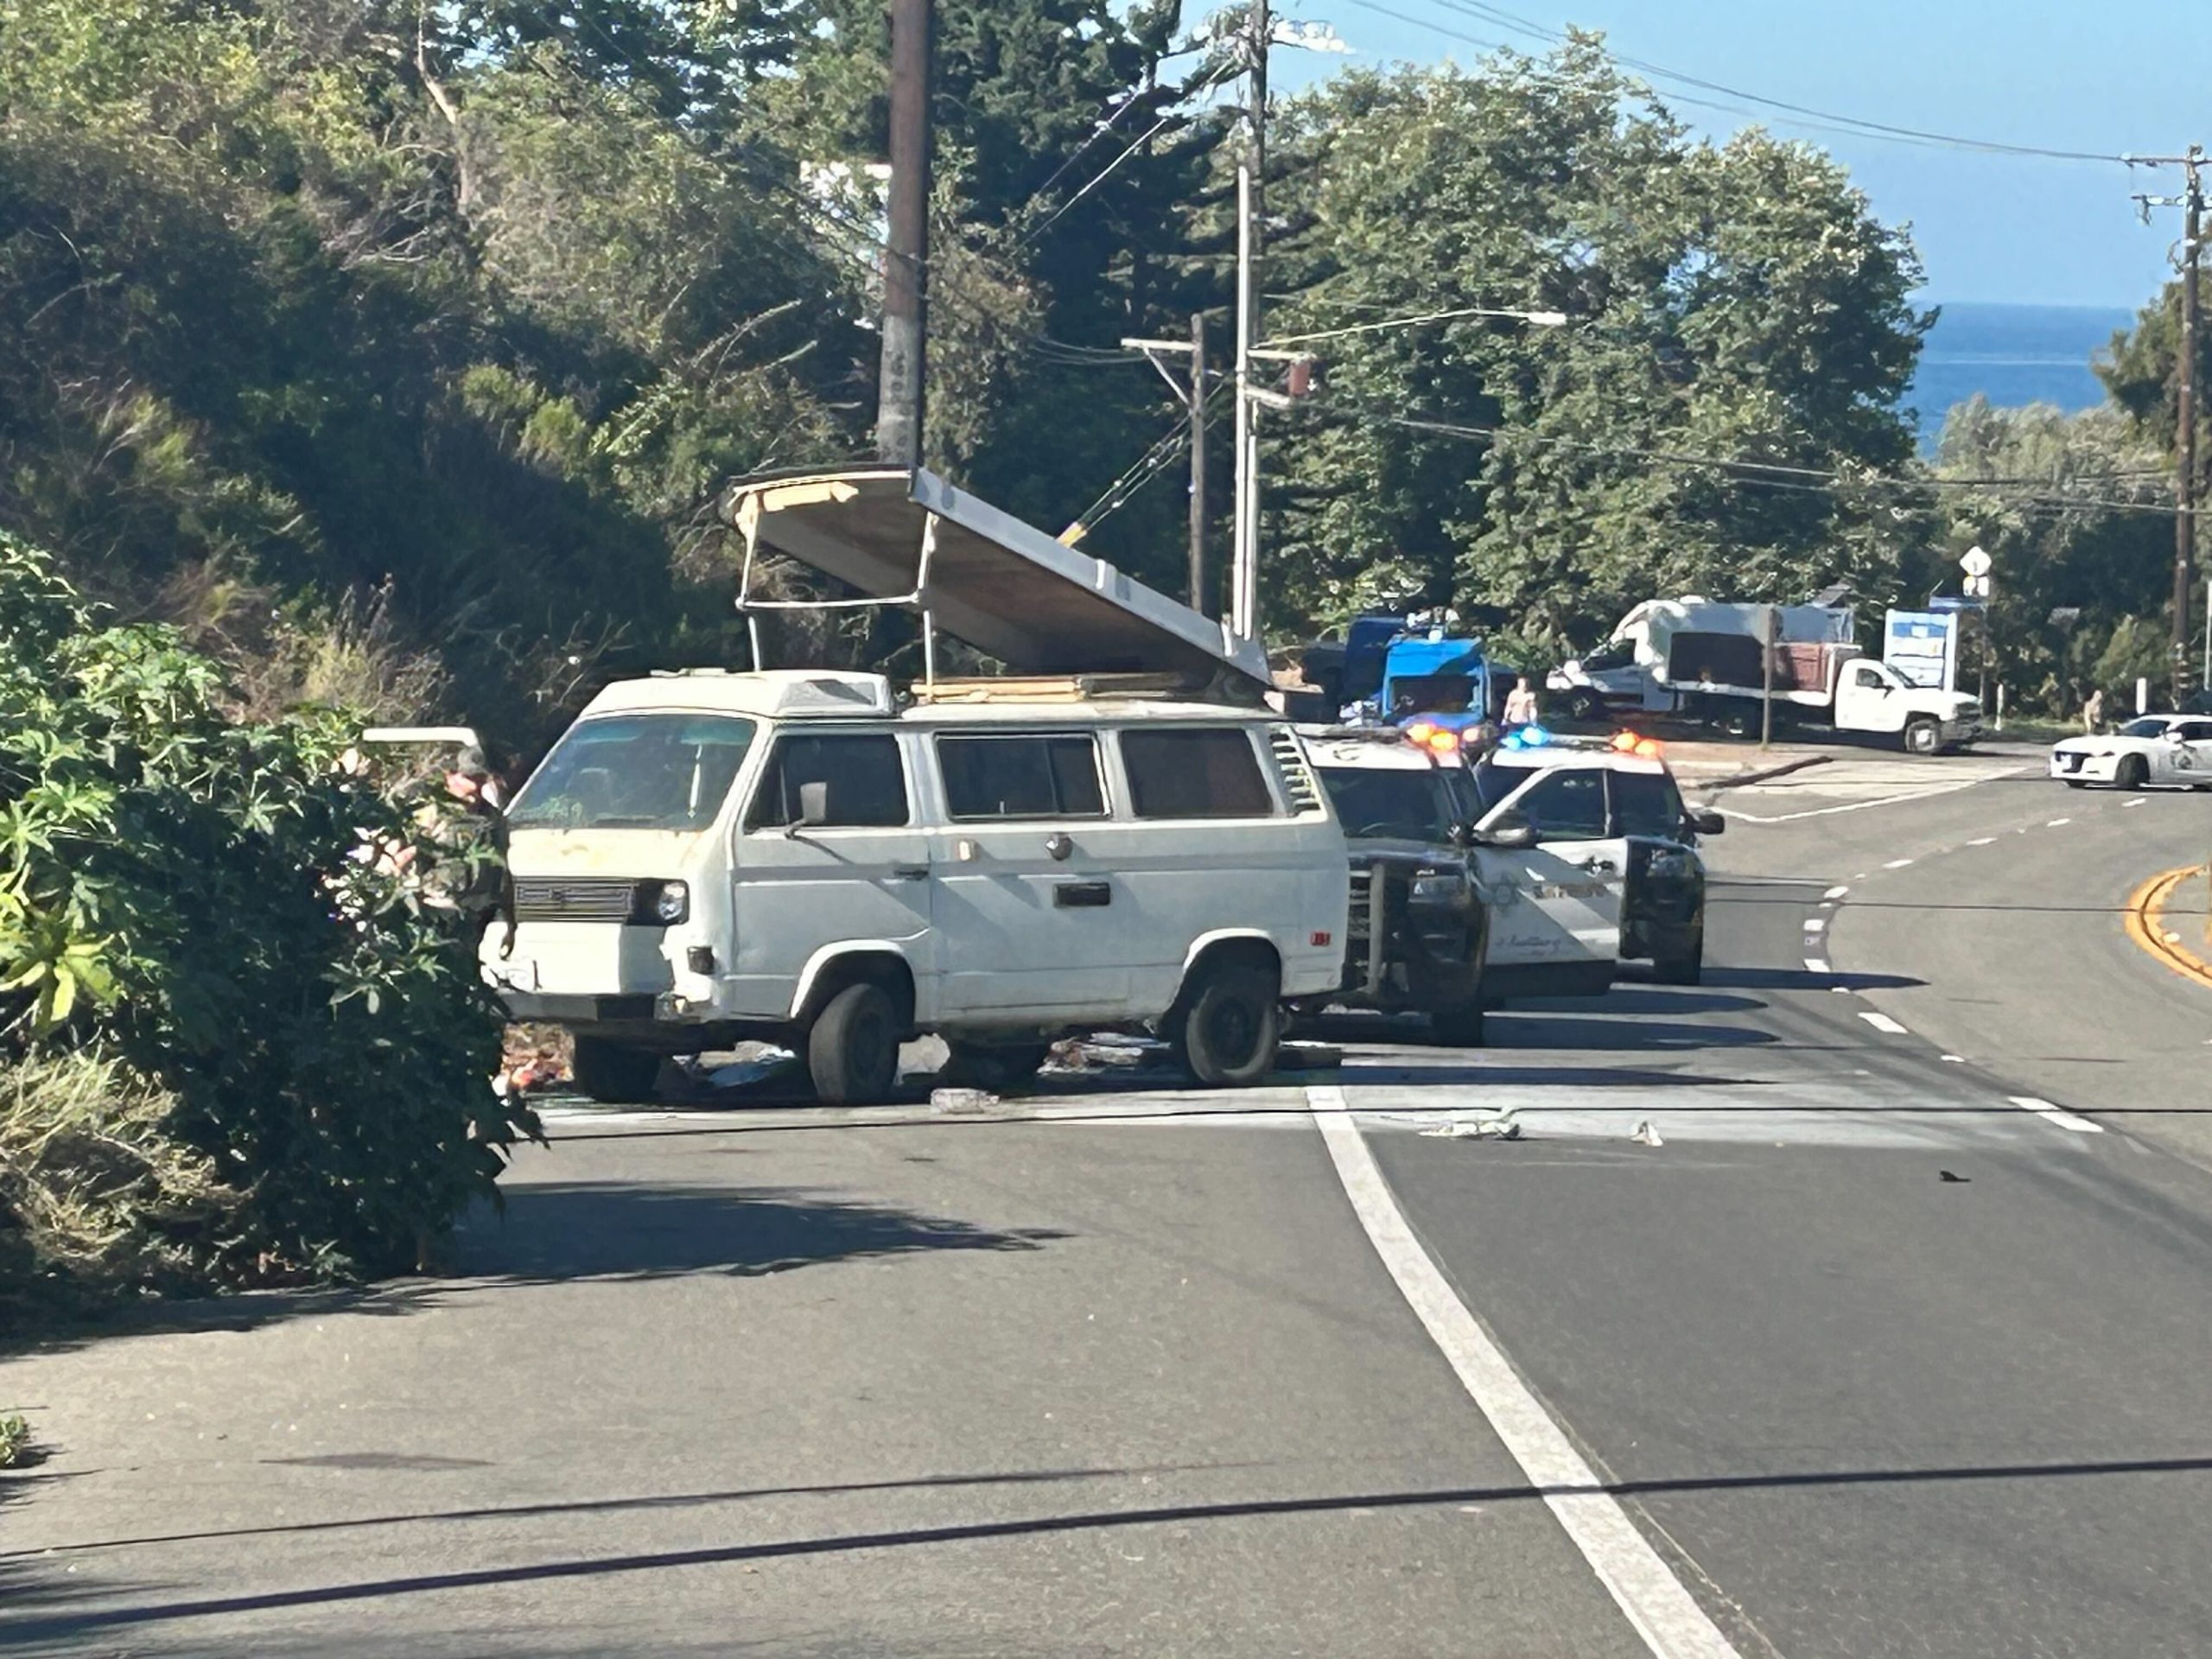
(1004, 587)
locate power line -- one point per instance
(1850, 125)
(1782, 476)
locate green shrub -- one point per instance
(193, 895)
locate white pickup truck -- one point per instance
(1713, 662)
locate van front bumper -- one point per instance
(553, 1008)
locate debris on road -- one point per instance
(962, 1100)
(1646, 1133)
(1484, 1126)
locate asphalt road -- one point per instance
(1864, 1357)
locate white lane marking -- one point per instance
(1814, 923)
(1896, 864)
(1836, 892)
(1813, 964)
(2055, 823)
(1981, 841)
(1656, 1603)
(1883, 1022)
(1860, 806)
(2057, 1114)
(2137, 801)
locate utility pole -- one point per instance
(1251, 208)
(2191, 202)
(899, 386)
(1201, 595)
(2185, 479)
(1192, 391)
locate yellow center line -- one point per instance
(2145, 920)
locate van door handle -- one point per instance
(1081, 895)
(910, 872)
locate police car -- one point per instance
(1613, 862)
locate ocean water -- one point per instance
(2013, 355)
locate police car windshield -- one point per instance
(1399, 804)
(636, 771)
(2153, 726)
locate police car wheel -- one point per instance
(1458, 1025)
(1230, 1029)
(1684, 969)
(615, 1074)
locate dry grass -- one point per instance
(95, 1196)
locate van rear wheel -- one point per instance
(1229, 1031)
(616, 1074)
(852, 1052)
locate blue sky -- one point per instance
(2114, 76)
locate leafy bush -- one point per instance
(197, 897)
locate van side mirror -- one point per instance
(1704, 821)
(813, 808)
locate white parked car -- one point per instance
(801, 857)
(2150, 749)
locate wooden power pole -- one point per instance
(2191, 203)
(2186, 466)
(1201, 594)
(898, 385)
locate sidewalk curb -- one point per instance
(2144, 921)
(1759, 775)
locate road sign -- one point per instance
(1975, 563)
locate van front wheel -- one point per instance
(852, 1052)
(615, 1074)
(1228, 1033)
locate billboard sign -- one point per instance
(1923, 646)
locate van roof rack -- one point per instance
(904, 538)
(1070, 688)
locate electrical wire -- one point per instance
(1781, 476)
(1849, 125)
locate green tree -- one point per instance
(1735, 302)
(2082, 545)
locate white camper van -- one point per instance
(1117, 833)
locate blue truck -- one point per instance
(1394, 668)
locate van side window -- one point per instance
(1565, 805)
(1024, 776)
(865, 779)
(1195, 772)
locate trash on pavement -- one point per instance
(1486, 1126)
(962, 1100)
(1646, 1133)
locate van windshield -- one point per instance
(636, 771)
